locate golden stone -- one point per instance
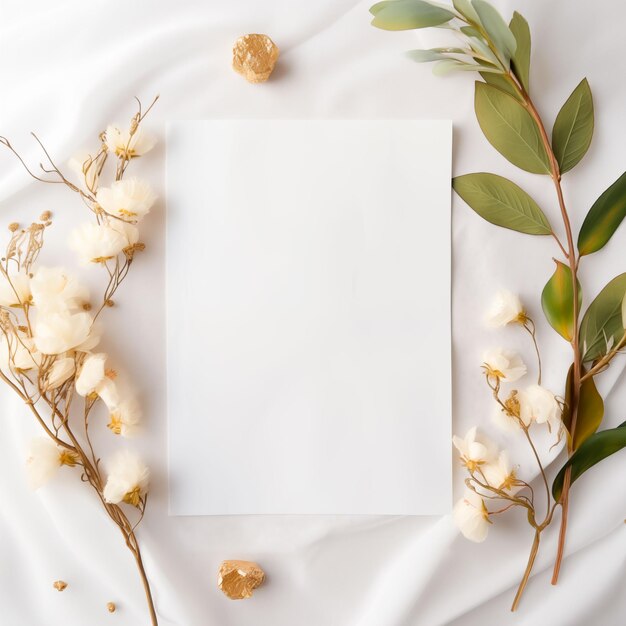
(254, 57)
(238, 579)
(111, 607)
(59, 585)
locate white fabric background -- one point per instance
(66, 69)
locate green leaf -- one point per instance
(408, 14)
(602, 326)
(425, 56)
(465, 8)
(590, 409)
(502, 203)
(557, 301)
(604, 218)
(510, 129)
(597, 448)
(442, 68)
(521, 58)
(499, 81)
(497, 29)
(573, 128)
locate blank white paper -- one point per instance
(308, 306)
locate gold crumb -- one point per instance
(111, 607)
(59, 585)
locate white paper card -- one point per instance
(308, 302)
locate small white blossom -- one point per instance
(127, 230)
(18, 352)
(44, 459)
(538, 404)
(499, 474)
(127, 480)
(472, 517)
(61, 370)
(91, 374)
(55, 333)
(506, 308)
(474, 451)
(129, 199)
(86, 170)
(125, 417)
(16, 292)
(56, 290)
(504, 421)
(97, 243)
(506, 365)
(123, 145)
(108, 392)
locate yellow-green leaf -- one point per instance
(521, 58)
(502, 203)
(500, 81)
(573, 128)
(602, 326)
(408, 14)
(510, 129)
(557, 301)
(597, 448)
(589, 413)
(604, 218)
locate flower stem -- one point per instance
(529, 567)
(144, 580)
(575, 342)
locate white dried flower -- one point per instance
(127, 480)
(123, 145)
(16, 292)
(44, 459)
(505, 365)
(125, 417)
(472, 517)
(129, 199)
(91, 374)
(96, 243)
(56, 290)
(60, 371)
(538, 404)
(499, 474)
(85, 168)
(506, 308)
(18, 352)
(108, 393)
(504, 421)
(127, 230)
(55, 333)
(474, 451)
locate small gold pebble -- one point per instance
(238, 579)
(59, 585)
(254, 57)
(111, 607)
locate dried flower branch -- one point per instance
(49, 330)
(500, 54)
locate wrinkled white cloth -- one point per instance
(67, 69)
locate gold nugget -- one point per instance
(111, 607)
(238, 579)
(59, 585)
(254, 57)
